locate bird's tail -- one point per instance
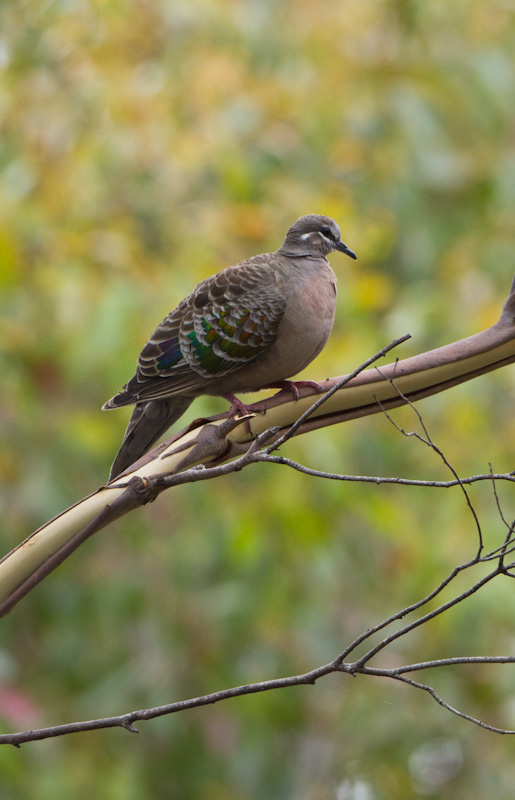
(148, 422)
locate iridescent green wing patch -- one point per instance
(234, 319)
(230, 320)
(219, 342)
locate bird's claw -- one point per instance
(294, 386)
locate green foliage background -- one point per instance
(144, 145)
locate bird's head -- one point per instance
(314, 235)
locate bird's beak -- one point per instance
(344, 249)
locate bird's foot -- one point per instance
(294, 386)
(240, 408)
(237, 407)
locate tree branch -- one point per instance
(365, 391)
(339, 665)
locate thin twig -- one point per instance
(429, 689)
(426, 439)
(504, 550)
(336, 476)
(425, 618)
(126, 720)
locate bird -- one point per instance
(250, 326)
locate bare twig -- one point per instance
(360, 666)
(422, 620)
(504, 550)
(432, 693)
(126, 720)
(426, 439)
(337, 476)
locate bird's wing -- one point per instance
(228, 321)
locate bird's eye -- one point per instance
(326, 232)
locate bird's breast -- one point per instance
(309, 318)
(302, 333)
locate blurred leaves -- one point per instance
(144, 145)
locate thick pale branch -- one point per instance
(220, 440)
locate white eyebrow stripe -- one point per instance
(305, 235)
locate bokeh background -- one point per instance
(144, 145)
